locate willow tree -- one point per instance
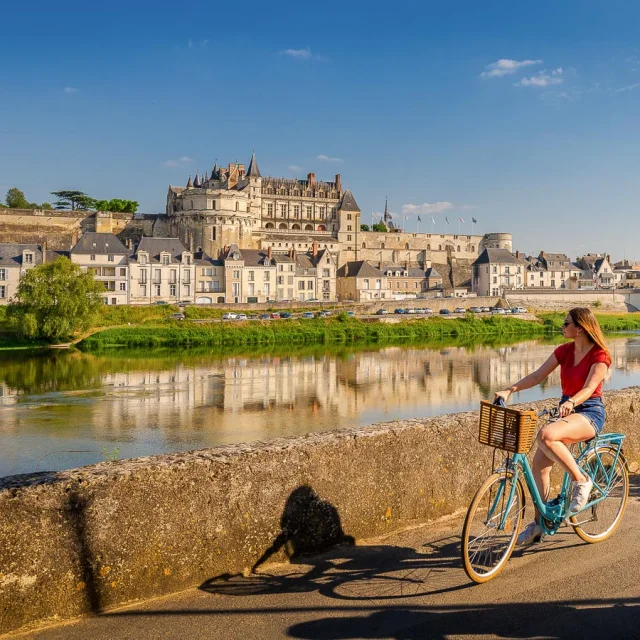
(55, 300)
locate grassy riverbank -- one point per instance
(340, 330)
(609, 322)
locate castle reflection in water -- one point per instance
(156, 405)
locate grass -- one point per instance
(340, 330)
(609, 322)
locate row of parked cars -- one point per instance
(447, 312)
(277, 315)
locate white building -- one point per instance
(495, 271)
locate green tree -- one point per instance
(116, 204)
(364, 227)
(15, 199)
(46, 205)
(379, 227)
(72, 199)
(55, 300)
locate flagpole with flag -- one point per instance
(418, 225)
(460, 221)
(433, 225)
(473, 223)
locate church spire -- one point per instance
(196, 182)
(190, 183)
(253, 171)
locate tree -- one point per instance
(72, 200)
(364, 227)
(379, 227)
(15, 199)
(46, 205)
(55, 300)
(116, 204)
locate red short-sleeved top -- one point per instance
(574, 378)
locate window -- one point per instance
(114, 301)
(280, 279)
(267, 288)
(309, 284)
(495, 280)
(283, 210)
(322, 210)
(237, 206)
(123, 272)
(289, 279)
(366, 283)
(349, 229)
(236, 275)
(3, 291)
(348, 216)
(3, 274)
(93, 257)
(123, 286)
(270, 209)
(143, 275)
(157, 276)
(348, 238)
(252, 288)
(290, 267)
(506, 270)
(186, 289)
(267, 276)
(553, 283)
(165, 259)
(296, 210)
(300, 285)
(495, 269)
(110, 257)
(28, 258)
(173, 276)
(172, 290)
(251, 276)
(309, 212)
(143, 260)
(281, 267)
(143, 290)
(156, 289)
(325, 273)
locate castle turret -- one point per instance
(190, 183)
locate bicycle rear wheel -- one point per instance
(486, 547)
(597, 523)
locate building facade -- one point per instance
(495, 271)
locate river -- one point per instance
(68, 409)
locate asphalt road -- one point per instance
(409, 585)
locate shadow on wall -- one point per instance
(308, 524)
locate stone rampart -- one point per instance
(562, 299)
(86, 540)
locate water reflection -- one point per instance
(145, 403)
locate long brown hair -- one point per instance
(582, 317)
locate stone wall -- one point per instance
(85, 540)
(563, 299)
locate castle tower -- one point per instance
(348, 222)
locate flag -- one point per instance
(461, 220)
(419, 220)
(474, 220)
(446, 219)
(433, 220)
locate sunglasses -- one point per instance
(566, 324)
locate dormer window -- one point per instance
(165, 259)
(235, 256)
(142, 259)
(28, 258)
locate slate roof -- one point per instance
(11, 254)
(253, 171)
(256, 258)
(412, 271)
(155, 246)
(432, 272)
(201, 258)
(359, 269)
(497, 256)
(100, 243)
(348, 202)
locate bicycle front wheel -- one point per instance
(597, 523)
(491, 527)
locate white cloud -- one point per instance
(629, 87)
(302, 54)
(543, 79)
(505, 67)
(426, 207)
(180, 162)
(70, 90)
(328, 158)
(294, 168)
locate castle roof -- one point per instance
(11, 253)
(253, 171)
(348, 202)
(359, 269)
(497, 256)
(155, 246)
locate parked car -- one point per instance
(313, 300)
(410, 311)
(253, 316)
(242, 316)
(323, 314)
(459, 310)
(230, 316)
(177, 316)
(264, 316)
(400, 311)
(445, 312)
(286, 314)
(308, 314)
(496, 311)
(275, 316)
(427, 310)
(485, 309)
(382, 312)
(475, 309)
(351, 314)
(184, 303)
(159, 302)
(520, 310)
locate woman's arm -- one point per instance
(532, 379)
(596, 375)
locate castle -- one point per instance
(238, 206)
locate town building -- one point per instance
(596, 272)
(361, 282)
(497, 270)
(550, 271)
(15, 259)
(209, 279)
(161, 270)
(108, 259)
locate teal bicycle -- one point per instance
(495, 515)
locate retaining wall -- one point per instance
(85, 540)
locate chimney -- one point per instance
(269, 253)
(44, 251)
(292, 253)
(311, 179)
(346, 269)
(406, 265)
(314, 249)
(338, 183)
(518, 255)
(380, 265)
(542, 255)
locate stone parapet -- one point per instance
(81, 541)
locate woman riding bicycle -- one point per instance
(583, 366)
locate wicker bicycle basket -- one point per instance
(507, 429)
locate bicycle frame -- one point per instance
(554, 512)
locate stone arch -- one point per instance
(458, 249)
(221, 299)
(321, 227)
(382, 245)
(282, 225)
(269, 225)
(295, 226)
(428, 247)
(364, 245)
(308, 227)
(394, 256)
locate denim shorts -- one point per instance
(593, 410)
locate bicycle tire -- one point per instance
(605, 516)
(484, 561)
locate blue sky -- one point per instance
(407, 100)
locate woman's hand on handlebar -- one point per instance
(565, 408)
(504, 394)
